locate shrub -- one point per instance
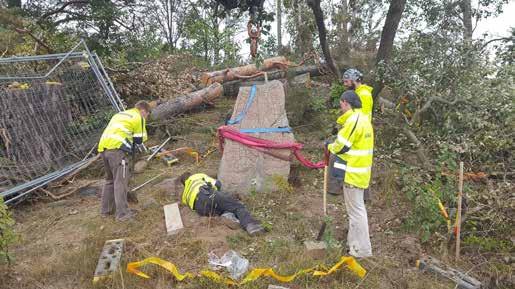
(7, 235)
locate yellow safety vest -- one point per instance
(354, 147)
(367, 102)
(192, 187)
(121, 131)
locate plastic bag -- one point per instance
(234, 263)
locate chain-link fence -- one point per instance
(54, 108)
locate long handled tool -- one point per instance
(141, 165)
(326, 180)
(458, 216)
(147, 182)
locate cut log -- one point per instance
(187, 102)
(241, 72)
(231, 88)
(190, 101)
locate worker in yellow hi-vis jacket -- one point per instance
(125, 130)
(352, 79)
(203, 195)
(354, 148)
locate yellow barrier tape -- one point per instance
(351, 263)
(253, 275)
(132, 267)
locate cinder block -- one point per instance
(314, 249)
(109, 260)
(173, 218)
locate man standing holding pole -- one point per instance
(125, 130)
(354, 148)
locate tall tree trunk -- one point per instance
(278, 16)
(322, 34)
(13, 3)
(466, 9)
(170, 11)
(384, 53)
(345, 39)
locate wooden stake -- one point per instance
(326, 177)
(458, 216)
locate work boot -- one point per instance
(127, 217)
(230, 220)
(254, 229)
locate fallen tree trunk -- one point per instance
(186, 102)
(242, 72)
(231, 88)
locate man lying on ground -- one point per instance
(203, 195)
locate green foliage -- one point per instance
(329, 237)
(337, 89)
(423, 192)
(268, 48)
(7, 235)
(282, 184)
(208, 38)
(468, 101)
(318, 104)
(489, 244)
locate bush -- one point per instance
(7, 235)
(424, 190)
(336, 91)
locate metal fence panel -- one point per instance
(54, 108)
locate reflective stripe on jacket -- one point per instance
(365, 95)
(193, 185)
(124, 129)
(354, 147)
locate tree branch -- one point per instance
(494, 40)
(61, 9)
(429, 104)
(39, 41)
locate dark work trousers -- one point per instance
(114, 194)
(334, 185)
(210, 202)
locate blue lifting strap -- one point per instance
(243, 113)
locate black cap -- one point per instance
(352, 98)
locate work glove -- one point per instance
(327, 143)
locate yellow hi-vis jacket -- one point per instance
(193, 185)
(124, 129)
(365, 95)
(354, 147)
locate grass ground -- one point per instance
(60, 242)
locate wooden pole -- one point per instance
(458, 216)
(326, 178)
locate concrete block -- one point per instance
(173, 218)
(315, 249)
(109, 260)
